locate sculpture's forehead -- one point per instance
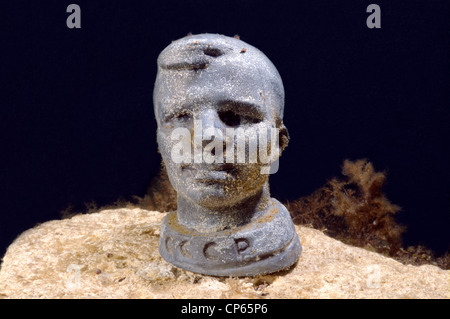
(221, 81)
(215, 67)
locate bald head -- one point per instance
(198, 66)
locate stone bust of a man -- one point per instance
(219, 108)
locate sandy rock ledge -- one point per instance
(114, 254)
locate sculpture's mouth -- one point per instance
(209, 173)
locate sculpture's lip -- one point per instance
(226, 167)
(210, 173)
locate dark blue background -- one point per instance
(77, 121)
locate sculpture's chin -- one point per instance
(218, 194)
(210, 195)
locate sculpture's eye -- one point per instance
(180, 117)
(231, 118)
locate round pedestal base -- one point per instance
(267, 244)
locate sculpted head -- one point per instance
(219, 107)
(211, 84)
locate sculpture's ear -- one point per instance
(283, 138)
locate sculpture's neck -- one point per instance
(206, 219)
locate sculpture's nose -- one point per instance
(209, 127)
(210, 120)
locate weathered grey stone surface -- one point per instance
(222, 225)
(114, 254)
(269, 246)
